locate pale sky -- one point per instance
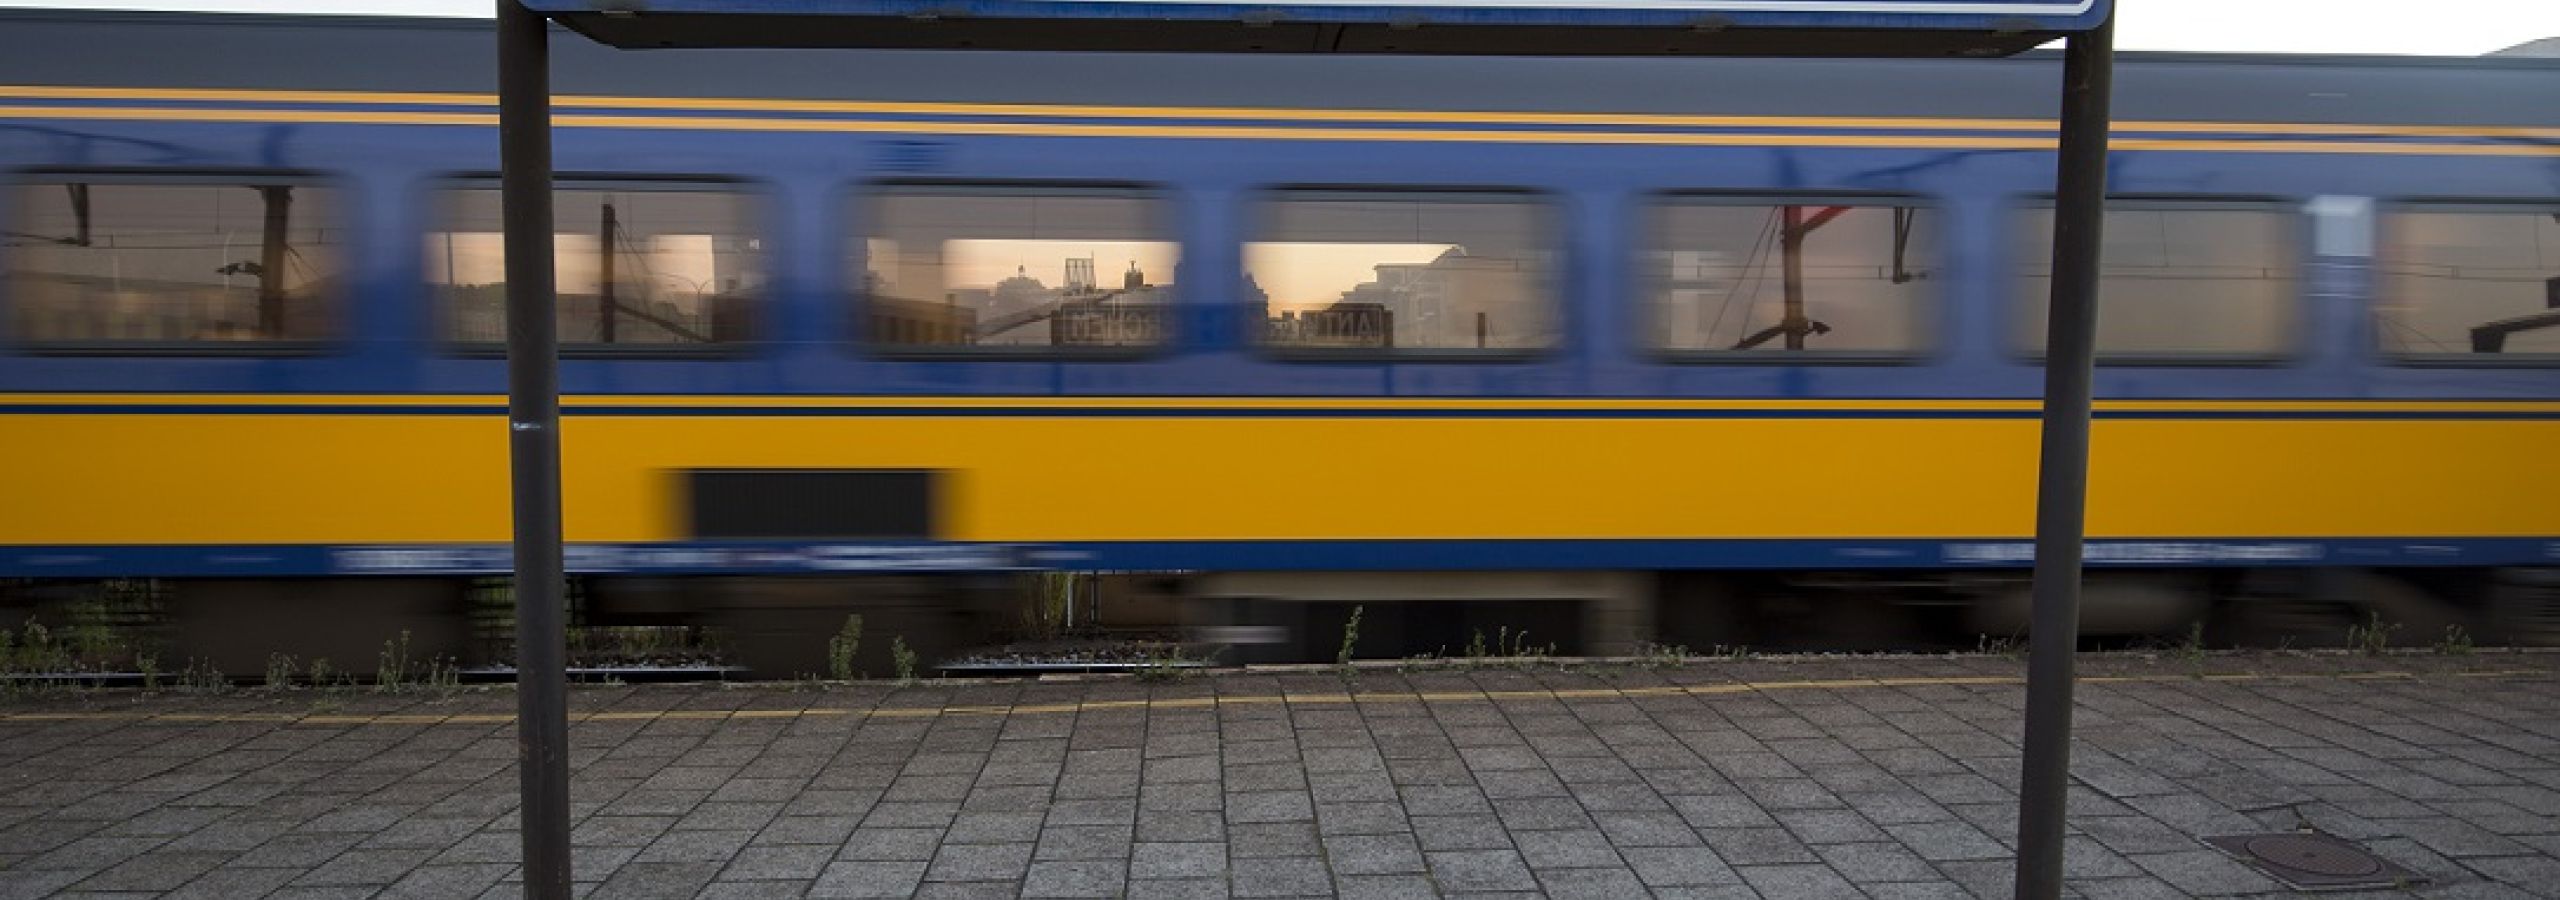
(2431, 28)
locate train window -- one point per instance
(1026, 268)
(2179, 280)
(644, 265)
(180, 263)
(2474, 283)
(1729, 276)
(1451, 272)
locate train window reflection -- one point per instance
(1016, 267)
(639, 265)
(188, 261)
(2176, 279)
(1729, 276)
(2476, 283)
(1402, 271)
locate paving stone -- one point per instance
(1646, 829)
(995, 827)
(831, 830)
(1153, 861)
(1090, 878)
(432, 882)
(1273, 839)
(1796, 881)
(1948, 841)
(1083, 842)
(696, 846)
(1595, 884)
(1373, 854)
(753, 890)
(1178, 889)
(917, 844)
(1269, 806)
(1876, 862)
(153, 871)
(1536, 813)
(299, 851)
(1579, 849)
(791, 862)
(1361, 818)
(2203, 873)
(979, 862)
(1661, 867)
(1460, 833)
(1384, 887)
(375, 867)
(1480, 870)
(869, 879)
(1830, 826)
(1182, 826)
(651, 881)
(1287, 876)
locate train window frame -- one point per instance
(2295, 349)
(1163, 211)
(757, 195)
(347, 203)
(1550, 220)
(2377, 293)
(1930, 331)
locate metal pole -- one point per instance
(2062, 485)
(533, 431)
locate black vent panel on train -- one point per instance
(801, 504)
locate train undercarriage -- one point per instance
(770, 628)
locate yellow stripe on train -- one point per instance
(313, 477)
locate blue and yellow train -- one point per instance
(833, 312)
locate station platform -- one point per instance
(1890, 778)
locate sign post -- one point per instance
(2062, 482)
(533, 449)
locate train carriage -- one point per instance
(1689, 350)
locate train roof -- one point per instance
(352, 53)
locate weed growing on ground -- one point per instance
(903, 658)
(1350, 636)
(842, 646)
(320, 671)
(2373, 637)
(393, 670)
(150, 667)
(1167, 663)
(1663, 656)
(2001, 646)
(37, 653)
(201, 677)
(2456, 642)
(280, 670)
(2192, 649)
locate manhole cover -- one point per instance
(2309, 860)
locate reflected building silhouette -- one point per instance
(1455, 301)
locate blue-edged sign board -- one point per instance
(1495, 27)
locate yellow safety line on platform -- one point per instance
(1212, 702)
